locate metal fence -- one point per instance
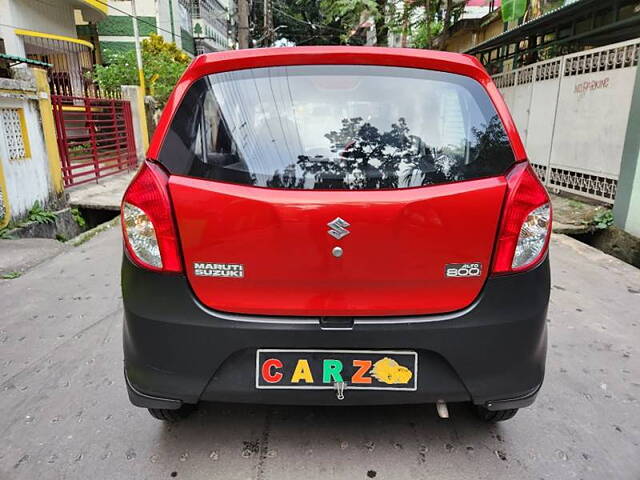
(95, 137)
(572, 114)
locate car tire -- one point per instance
(494, 416)
(171, 416)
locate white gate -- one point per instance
(572, 114)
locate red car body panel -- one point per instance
(398, 57)
(394, 265)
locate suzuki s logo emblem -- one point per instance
(338, 228)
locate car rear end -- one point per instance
(335, 226)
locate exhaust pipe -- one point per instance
(441, 407)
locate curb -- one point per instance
(89, 234)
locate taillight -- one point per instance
(526, 222)
(147, 222)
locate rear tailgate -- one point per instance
(394, 258)
(410, 161)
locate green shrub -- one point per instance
(78, 218)
(163, 64)
(603, 220)
(40, 215)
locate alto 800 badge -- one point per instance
(463, 270)
(225, 270)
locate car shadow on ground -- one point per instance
(410, 433)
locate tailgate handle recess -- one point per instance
(330, 323)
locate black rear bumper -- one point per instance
(176, 350)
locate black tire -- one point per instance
(172, 415)
(494, 416)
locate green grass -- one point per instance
(11, 275)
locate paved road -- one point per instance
(64, 411)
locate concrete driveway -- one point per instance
(65, 414)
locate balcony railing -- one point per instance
(71, 64)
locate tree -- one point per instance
(349, 12)
(513, 9)
(163, 65)
(447, 24)
(421, 21)
(382, 29)
(301, 22)
(331, 22)
(416, 21)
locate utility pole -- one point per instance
(173, 30)
(447, 25)
(405, 24)
(427, 8)
(243, 24)
(268, 23)
(136, 36)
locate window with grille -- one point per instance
(14, 131)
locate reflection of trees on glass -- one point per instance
(366, 158)
(490, 145)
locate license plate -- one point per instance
(322, 369)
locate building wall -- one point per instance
(26, 179)
(461, 41)
(492, 29)
(170, 31)
(116, 31)
(48, 16)
(466, 39)
(29, 161)
(232, 9)
(210, 24)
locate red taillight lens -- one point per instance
(526, 222)
(147, 222)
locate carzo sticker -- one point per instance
(228, 270)
(462, 270)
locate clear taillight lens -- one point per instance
(147, 221)
(141, 235)
(533, 237)
(526, 222)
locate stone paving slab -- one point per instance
(573, 217)
(105, 195)
(17, 256)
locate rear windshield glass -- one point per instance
(338, 127)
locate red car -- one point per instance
(335, 226)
